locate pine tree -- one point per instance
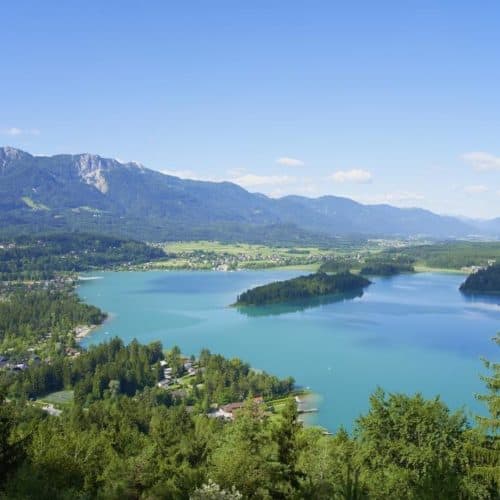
(488, 453)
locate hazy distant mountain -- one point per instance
(488, 227)
(88, 192)
(345, 215)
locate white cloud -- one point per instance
(302, 187)
(15, 131)
(476, 189)
(397, 197)
(482, 161)
(236, 172)
(183, 174)
(404, 196)
(290, 162)
(355, 175)
(253, 180)
(237, 176)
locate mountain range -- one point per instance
(86, 192)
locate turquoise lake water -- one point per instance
(407, 333)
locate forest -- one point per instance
(40, 257)
(124, 438)
(119, 369)
(450, 255)
(381, 264)
(302, 287)
(485, 281)
(48, 314)
(337, 265)
(386, 268)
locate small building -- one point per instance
(72, 352)
(49, 408)
(228, 411)
(163, 384)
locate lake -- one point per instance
(407, 333)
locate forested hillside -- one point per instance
(86, 192)
(40, 257)
(42, 315)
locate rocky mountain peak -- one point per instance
(91, 170)
(8, 154)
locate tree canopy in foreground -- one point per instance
(124, 441)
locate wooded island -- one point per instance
(386, 269)
(302, 287)
(483, 281)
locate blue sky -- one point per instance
(394, 102)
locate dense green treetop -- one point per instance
(142, 446)
(124, 438)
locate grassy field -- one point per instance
(215, 255)
(229, 256)
(58, 398)
(449, 257)
(423, 268)
(241, 248)
(237, 248)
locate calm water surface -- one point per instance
(408, 333)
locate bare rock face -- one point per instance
(8, 154)
(91, 170)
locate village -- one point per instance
(475, 269)
(192, 375)
(226, 261)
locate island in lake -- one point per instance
(485, 281)
(303, 287)
(386, 269)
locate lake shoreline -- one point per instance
(342, 350)
(306, 268)
(82, 331)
